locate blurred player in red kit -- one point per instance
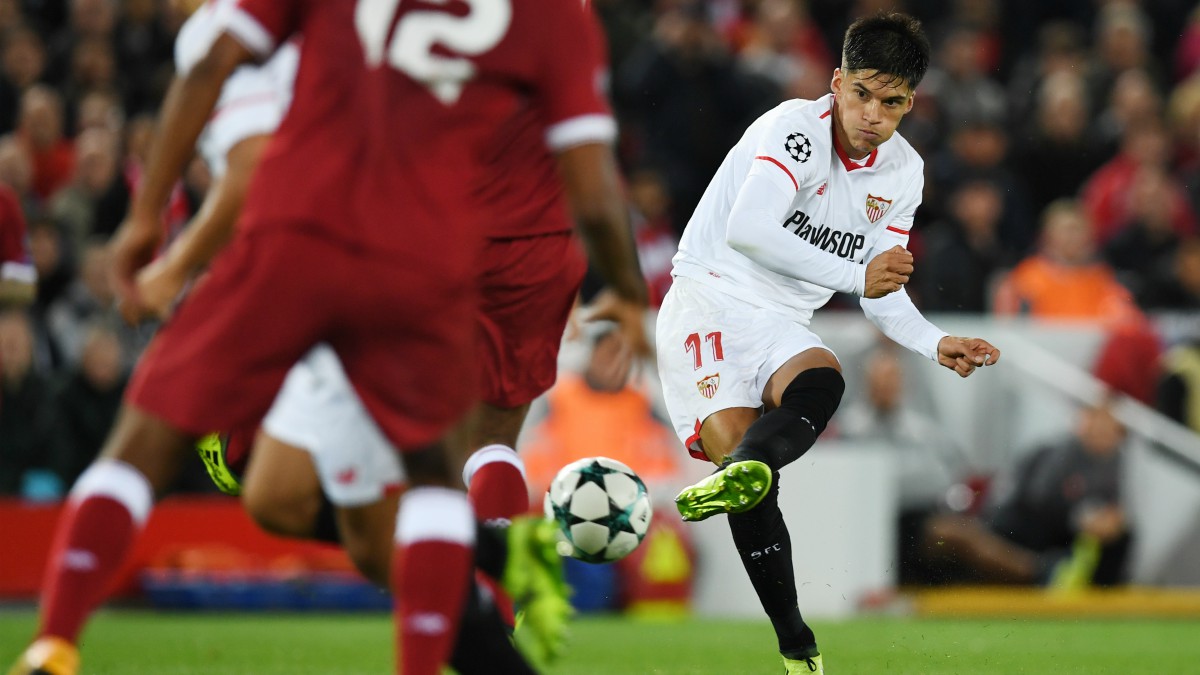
(359, 231)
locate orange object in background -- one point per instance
(584, 422)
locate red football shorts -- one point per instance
(404, 333)
(529, 286)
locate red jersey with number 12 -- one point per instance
(397, 108)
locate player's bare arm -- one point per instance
(964, 355)
(887, 272)
(589, 174)
(188, 105)
(16, 293)
(160, 283)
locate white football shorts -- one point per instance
(716, 352)
(317, 410)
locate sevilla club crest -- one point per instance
(876, 207)
(708, 386)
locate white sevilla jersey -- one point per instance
(852, 210)
(253, 100)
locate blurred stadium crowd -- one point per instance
(1061, 140)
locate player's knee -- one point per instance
(287, 515)
(372, 557)
(815, 394)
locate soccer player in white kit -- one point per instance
(817, 197)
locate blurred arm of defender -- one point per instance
(188, 105)
(590, 178)
(160, 283)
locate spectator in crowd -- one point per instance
(960, 83)
(93, 67)
(55, 273)
(1183, 121)
(1147, 243)
(686, 101)
(40, 130)
(963, 254)
(1178, 286)
(1133, 99)
(1060, 52)
(87, 20)
(1105, 195)
(94, 187)
(1122, 43)
(1060, 151)
(10, 15)
(89, 300)
(656, 238)
(787, 49)
(99, 109)
(16, 170)
(1054, 519)
(52, 262)
(978, 149)
(598, 413)
(26, 406)
(22, 64)
(138, 133)
(928, 463)
(86, 402)
(1064, 280)
(1129, 360)
(144, 46)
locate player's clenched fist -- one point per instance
(887, 272)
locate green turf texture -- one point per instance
(121, 642)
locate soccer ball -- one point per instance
(601, 507)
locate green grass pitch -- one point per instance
(122, 642)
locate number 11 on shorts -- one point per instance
(692, 345)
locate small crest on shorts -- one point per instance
(876, 207)
(708, 386)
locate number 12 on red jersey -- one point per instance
(411, 48)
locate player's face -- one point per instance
(869, 106)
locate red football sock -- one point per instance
(104, 516)
(495, 480)
(431, 572)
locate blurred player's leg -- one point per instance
(281, 490)
(528, 291)
(105, 513)
(495, 478)
(494, 474)
(432, 560)
(366, 534)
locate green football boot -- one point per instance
(736, 488)
(533, 578)
(211, 449)
(806, 666)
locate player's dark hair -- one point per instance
(891, 43)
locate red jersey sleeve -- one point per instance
(574, 77)
(15, 260)
(261, 25)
